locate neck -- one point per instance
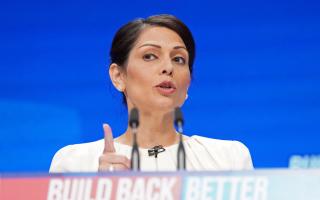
(154, 129)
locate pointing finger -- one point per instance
(108, 139)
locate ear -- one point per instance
(117, 77)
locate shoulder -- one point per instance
(228, 145)
(231, 153)
(77, 157)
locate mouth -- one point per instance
(166, 88)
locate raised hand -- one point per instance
(110, 160)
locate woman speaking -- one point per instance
(151, 64)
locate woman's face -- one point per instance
(157, 73)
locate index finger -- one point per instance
(108, 139)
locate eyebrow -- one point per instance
(180, 47)
(158, 46)
(147, 44)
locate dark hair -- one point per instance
(127, 35)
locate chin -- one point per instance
(165, 105)
(162, 104)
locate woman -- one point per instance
(151, 64)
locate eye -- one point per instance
(149, 57)
(179, 60)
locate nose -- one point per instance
(167, 68)
(167, 72)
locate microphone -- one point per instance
(178, 119)
(134, 123)
(181, 156)
(134, 118)
(156, 150)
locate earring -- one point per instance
(120, 89)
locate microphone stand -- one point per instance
(134, 123)
(181, 156)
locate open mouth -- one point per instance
(166, 84)
(166, 88)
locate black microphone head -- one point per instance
(134, 118)
(178, 117)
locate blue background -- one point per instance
(256, 75)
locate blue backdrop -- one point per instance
(256, 75)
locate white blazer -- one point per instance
(201, 154)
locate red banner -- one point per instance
(91, 187)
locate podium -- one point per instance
(207, 185)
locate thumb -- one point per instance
(108, 139)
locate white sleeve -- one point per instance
(59, 160)
(220, 154)
(77, 158)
